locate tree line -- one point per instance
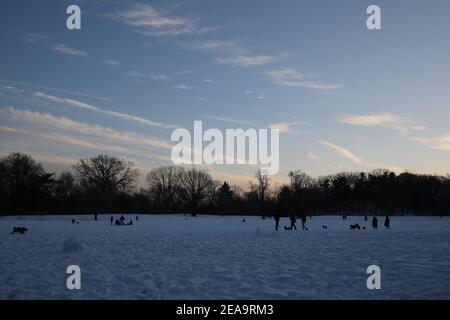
(105, 184)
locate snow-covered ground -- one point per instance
(211, 257)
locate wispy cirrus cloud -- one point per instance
(219, 46)
(343, 152)
(380, 119)
(246, 60)
(111, 62)
(230, 120)
(65, 139)
(146, 76)
(75, 93)
(68, 51)
(385, 119)
(231, 53)
(349, 155)
(33, 37)
(312, 156)
(86, 106)
(287, 127)
(63, 124)
(182, 87)
(147, 20)
(439, 142)
(293, 79)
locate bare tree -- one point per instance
(24, 180)
(262, 189)
(164, 183)
(65, 185)
(196, 183)
(107, 175)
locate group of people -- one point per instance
(293, 219)
(121, 221)
(387, 222)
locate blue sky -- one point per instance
(344, 97)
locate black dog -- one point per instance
(20, 230)
(355, 227)
(324, 227)
(287, 228)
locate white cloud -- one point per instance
(292, 79)
(248, 92)
(48, 121)
(385, 119)
(149, 21)
(286, 127)
(81, 105)
(311, 156)
(145, 76)
(66, 50)
(34, 37)
(212, 46)
(65, 139)
(260, 97)
(54, 89)
(246, 60)
(343, 152)
(440, 142)
(182, 87)
(381, 119)
(12, 90)
(207, 80)
(234, 53)
(182, 72)
(230, 120)
(111, 62)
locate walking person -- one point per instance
(111, 219)
(375, 223)
(277, 220)
(387, 222)
(293, 221)
(304, 222)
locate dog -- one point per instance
(243, 220)
(287, 228)
(20, 230)
(324, 227)
(355, 227)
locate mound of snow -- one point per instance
(72, 245)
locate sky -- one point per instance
(345, 98)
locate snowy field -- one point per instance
(211, 257)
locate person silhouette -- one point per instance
(277, 220)
(293, 220)
(375, 222)
(111, 219)
(387, 222)
(304, 222)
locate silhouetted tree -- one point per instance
(262, 188)
(164, 183)
(24, 181)
(195, 183)
(103, 178)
